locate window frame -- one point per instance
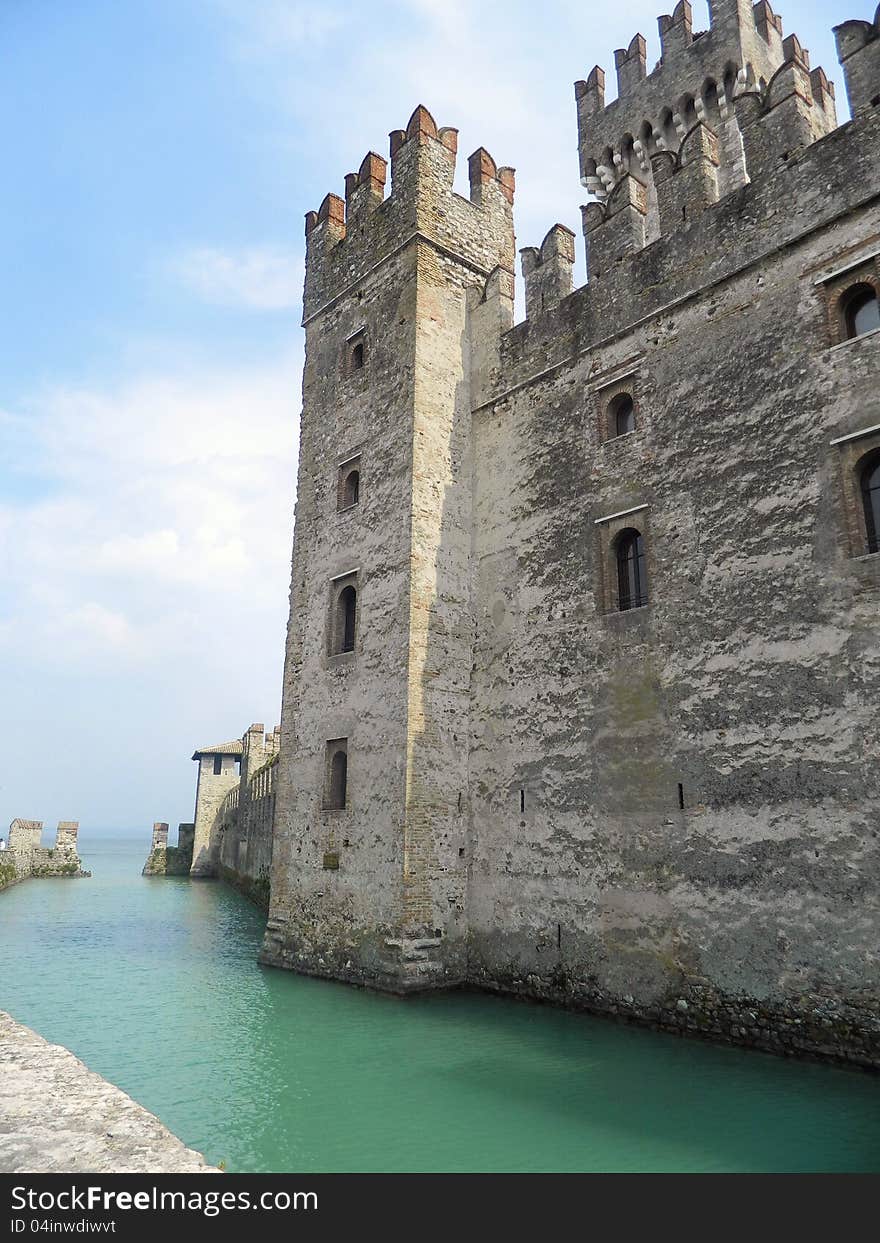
(635, 566)
(869, 464)
(608, 397)
(335, 654)
(356, 346)
(839, 289)
(609, 530)
(345, 470)
(330, 800)
(851, 301)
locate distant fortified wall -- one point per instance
(231, 834)
(165, 860)
(25, 856)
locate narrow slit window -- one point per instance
(336, 775)
(354, 356)
(346, 619)
(351, 493)
(218, 765)
(342, 618)
(348, 487)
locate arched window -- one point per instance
(870, 481)
(351, 488)
(338, 780)
(861, 310)
(346, 619)
(336, 774)
(632, 581)
(623, 415)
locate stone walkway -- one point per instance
(57, 1116)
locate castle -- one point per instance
(583, 664)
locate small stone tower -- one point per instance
(218, 774)
(370, 855)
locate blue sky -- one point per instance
(159, 158)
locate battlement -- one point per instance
(165, 860)
(29, 857)
(695, 81)
(347, 236)
(66, 835)
(631, 281)
(25, 836)
(160, 835)
(858, 50)
(650, 189)
(547, 270)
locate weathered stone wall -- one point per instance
(231, 836)
(211, 790)
(374, 889)
(165, 860)
(668, 812)
(26, 857)
(60, 1117)
(245, 820)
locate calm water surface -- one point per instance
(154, 984)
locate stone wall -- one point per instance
(165, 860)
(231, 836)
(665, 812)
(245, 820)
(369, 886)
(25, 856)
(58, 1114)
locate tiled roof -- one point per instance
(225, 748)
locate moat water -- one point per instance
(155, 985)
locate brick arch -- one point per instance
(843, 295)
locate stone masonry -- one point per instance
(231, 836)
(497, 766)
(25, 856)
(59, 1117)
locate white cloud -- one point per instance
(259, 278)
(169, 507)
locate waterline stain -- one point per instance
(154, 984)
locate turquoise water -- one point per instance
(154, 984)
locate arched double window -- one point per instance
(632, 578)
(860, 310)
(870, 487)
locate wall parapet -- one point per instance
(25, 856)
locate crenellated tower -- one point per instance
(580, 683)
(695, 83)
(370, 851)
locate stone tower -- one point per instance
(218, 774)
(370, 853)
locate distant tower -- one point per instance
(369, 874)
(218, 774)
